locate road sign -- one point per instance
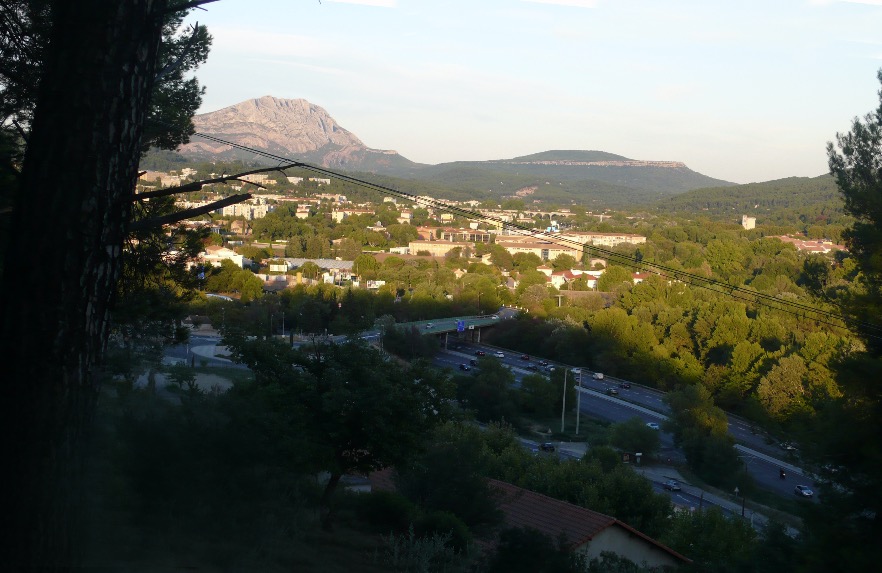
(460, 325)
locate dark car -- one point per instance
(525, 356)
(480, 353)
(672, 485)
(543, 363)
(464, 367)
(473, 362)
(625, 385)
(612, 392)
(546, 447)
(532, 367)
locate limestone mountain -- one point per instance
(303, 131)
(293, 128)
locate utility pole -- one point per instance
(563, 408)
(578, 401)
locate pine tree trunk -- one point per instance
(61, 264)
(325, 504)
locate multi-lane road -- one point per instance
(762, 458)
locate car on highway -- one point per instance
(803, 491)
(787, 447)
(543, 363)
(612, 392)
(494, 317)
(430, 325)
(480, 353)
(547, 447)
(525, 356)
(625, 385)
(598, 376)
(576, 371)
(532, 367)
(652, 425)
(473, 362)
(549, 368)
(672, 485)
(499, 355)
(464, 367)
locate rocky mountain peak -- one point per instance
(282, 126)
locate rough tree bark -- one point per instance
(61, 264)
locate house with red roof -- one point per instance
(582, 530)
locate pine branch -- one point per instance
(187, 6)
(174, 65)
(197, 185)
(187, 213)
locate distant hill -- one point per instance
(305, 132)
(794, 199)
(572, 175)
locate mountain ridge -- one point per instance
(306, 132)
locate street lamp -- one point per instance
(578, 401)
(563, 408)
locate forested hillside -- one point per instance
(815, 194)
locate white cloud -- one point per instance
(673, 92)
(378, 3)
(826, 2)
(248, 41)
(573, 3)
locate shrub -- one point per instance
(386, 511)
(444, 523)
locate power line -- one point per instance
(735, 291)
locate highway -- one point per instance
(762, 459)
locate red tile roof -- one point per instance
(382, 480)
(553, 517)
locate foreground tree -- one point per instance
(97, 72)
(845, 441)
(359, 412)
(857, 167)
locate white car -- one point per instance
(598, 376)
(652, 425)
(499, 355)
(576, 371)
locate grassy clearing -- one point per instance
(592, 431)
(234, 375)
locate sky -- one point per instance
(740, 90)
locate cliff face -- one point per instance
(293, 128)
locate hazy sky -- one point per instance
(741, 90)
